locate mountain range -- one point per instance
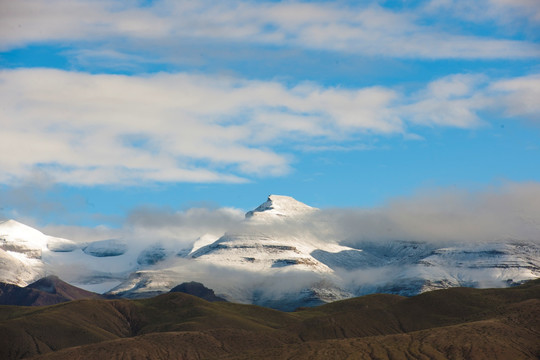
(282, 256)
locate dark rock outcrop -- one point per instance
(197, 289)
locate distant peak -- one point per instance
(280, 206)
(283, 199)
(16, 229)
(12, 223)
(47, 284)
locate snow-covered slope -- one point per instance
(27, 255)
(106, 248)
(267, 242)
(21, 251)
(427, 267)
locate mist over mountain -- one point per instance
(285, 254)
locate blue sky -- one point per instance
(110, 106)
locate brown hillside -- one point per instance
(444, 324)
(47, 291)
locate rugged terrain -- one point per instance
(457, 323)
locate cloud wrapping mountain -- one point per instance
(286, 254)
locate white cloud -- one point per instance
(89, 129)
(457, 100)
(102, 129)
(507, 213)
(149, 225)
(367, 30)
(145, 226)
(450, 101)
(520, 96)
(507, 12)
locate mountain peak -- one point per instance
(280, 206)
(20, 237)
(47, 284)
(13, 226)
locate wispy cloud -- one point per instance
(181, 227)
(506, 12)
(519, 96)
(29, 195)
(110, 129)
(453, 100)
(366, 30)
(99, 129)
(145, 226)
(510, 212)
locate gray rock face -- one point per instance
(197, 289)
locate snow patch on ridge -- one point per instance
(106, 248)
(61, 245)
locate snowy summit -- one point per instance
(280, 206)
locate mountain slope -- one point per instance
(452, 323)
(27, 255)
(46, 291)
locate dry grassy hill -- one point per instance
(456, 323)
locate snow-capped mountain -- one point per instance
(281, 256)
(254, 249)
(272, 261)
(264, 247)
(21, 252)
(27, 255)
(280, 206)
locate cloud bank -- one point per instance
(506, 213)
(87, 129)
